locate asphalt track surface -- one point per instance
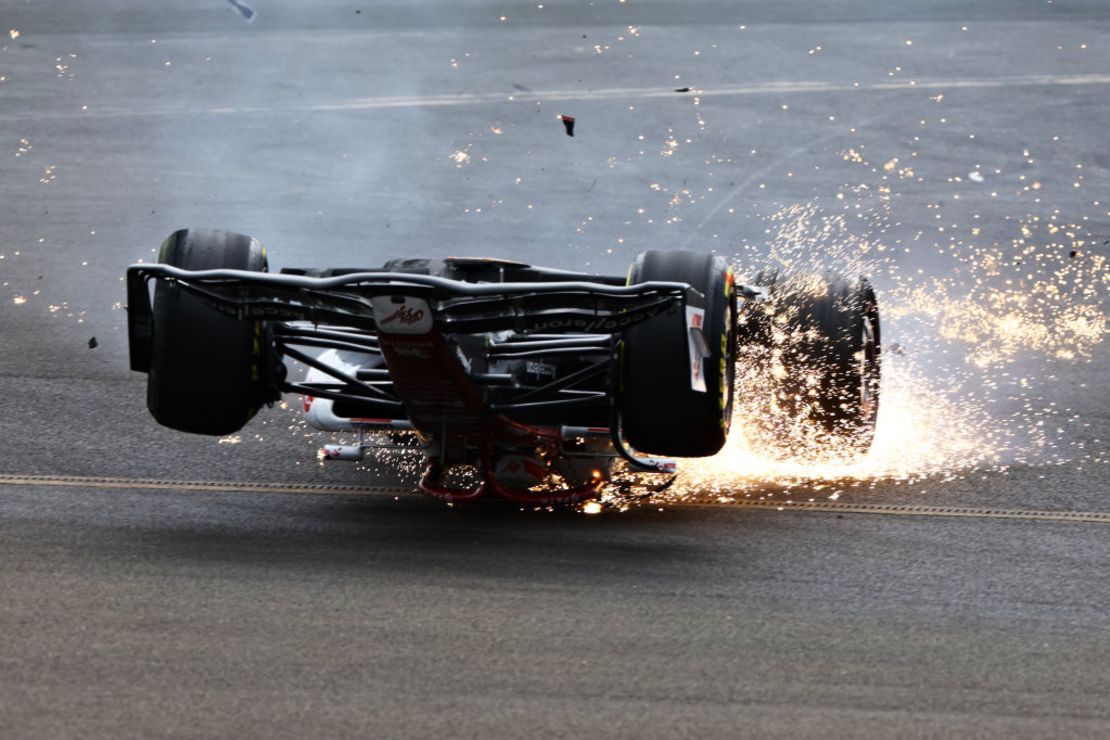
(156, 585)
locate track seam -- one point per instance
(153, 484)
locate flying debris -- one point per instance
(244, 11)
(92, 343)
(568, 124)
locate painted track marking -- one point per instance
(785, 87)
(151, 484)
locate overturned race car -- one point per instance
(538, 381)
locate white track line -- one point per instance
(785, 88)
(149, 484)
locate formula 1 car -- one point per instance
(536, 380)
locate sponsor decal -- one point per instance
(405, 315)
(402, 314)
(229, 307)
(695, 318)
(602, 324)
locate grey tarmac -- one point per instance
(344, 133)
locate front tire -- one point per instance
(209, 372)
(661, 413)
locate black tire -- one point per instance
(209, 373)
(810, 367)
(661, 414)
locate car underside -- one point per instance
(535, 380)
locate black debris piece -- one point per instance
(92, 343)
(682, 89)
(244, 11)
(568, 124)
(1074, 253)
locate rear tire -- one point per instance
(810, 367)
(660, 412)
(209, 372)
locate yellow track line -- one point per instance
(150, 484)
(1099, 517)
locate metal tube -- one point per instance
(398, 282)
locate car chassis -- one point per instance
(436, 350)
